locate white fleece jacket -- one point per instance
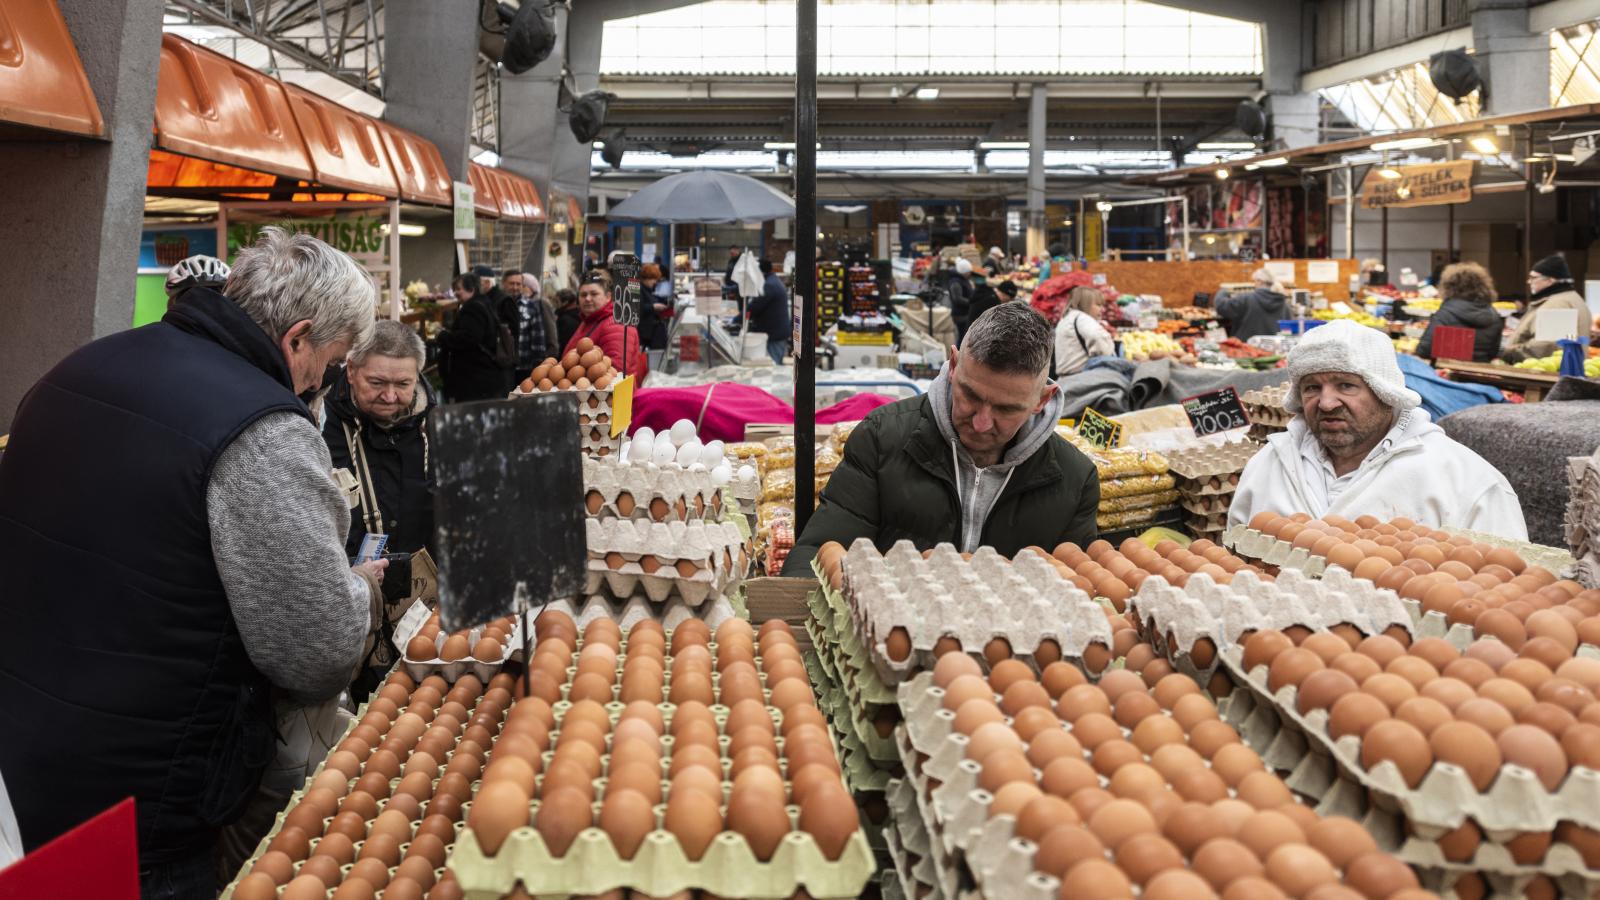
(1417, 471)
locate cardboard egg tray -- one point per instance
(591, 866)
(1205, 471)
(1024, 601)
(686, 493)
(294, 800)
(593, 405)
(845, 664)
(1251, 544)
(418, 669)
(627, 612)
(1265, 407)
(909, 846)
(618, 547)
(1331, 772)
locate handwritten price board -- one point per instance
(1099, 431)
(1215, 411)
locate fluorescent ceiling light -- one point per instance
(1484, 144)
(927, 93)
(845, 210)
(1175, 176)
(1272, 163)
(1003, 145)
(407, 229)
(1226, 145)
(783, 145)
(1389, 173)
(1411, 143)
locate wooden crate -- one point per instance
(781, 598)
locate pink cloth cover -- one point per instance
(732, 407)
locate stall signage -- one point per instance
(1215, 411)
(1098, 430)
(625, 293)
(1428, 184)
(359, 235)
(465, 208)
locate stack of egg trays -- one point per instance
(857, 693)
(418, 669)
(714, 549)
(684, 493)
(1251, 544)
(912, 867)
(626, 612)
(1172, 620)
(1025, 601)
(594, 419)
(591, 865)
(1207, 477)
(1266, 412)
(956, 811)
(294, 800)
(1330, 772)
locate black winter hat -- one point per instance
(1553, 266)
(1008, 288)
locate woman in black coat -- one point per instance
(467, 348)
(1468, 293)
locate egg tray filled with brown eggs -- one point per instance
(1207, 477)
(690, 560)
(585, 369)
(658, 493)
(481, 650)
(1187, 625)
(627, 613)
(1050, 786)
(731, 740)
(907, 607)
(1467, 761)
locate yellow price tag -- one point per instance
(621, 406)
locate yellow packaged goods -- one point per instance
(778, 485)
(828, 459)
(1137, 501)
(1120, 520)
(1136, 484)
(746, 450)
(780, 454)
(1121, 463)
(841, 433)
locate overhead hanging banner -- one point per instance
(1427, 184)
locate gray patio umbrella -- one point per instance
(706, 197)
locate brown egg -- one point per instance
(372, 871)
(694, 819)
(1223, 861)
(1400, 743)
(1210, 736)
(1535, 750)
(1267, 830)
(1424, 713)
(1263, 647)
(1299, 869)
(759, 818)
(1322, 688)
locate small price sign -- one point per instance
(625, 290)
(1215, 411)
(1098, 430)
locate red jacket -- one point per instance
(608, 336)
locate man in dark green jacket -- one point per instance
(974, 462)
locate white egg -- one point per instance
(664, 453)
(645, 435)
(682, 432)
(721, 475)
(689, 453)
(641, 449)
(712, 455)
(747, 473)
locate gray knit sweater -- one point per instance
(278, 526)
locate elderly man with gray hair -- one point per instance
(1256, 311)
(174, 548)
(974, 462)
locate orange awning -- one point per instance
(485, 190)
(42, 83)
(345, 146)
(528, 206)
(418, 166)
(211, 107)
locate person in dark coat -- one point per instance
(569, 316)
(974, 462)
(733, 260)
(531, 320)
(959, 286)
(1255, 312)
(1468, 293)
(984, 298)
(769, 313)
(467, 348)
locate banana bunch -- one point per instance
(1551, 364)
(1405, 345)
(1360, 318)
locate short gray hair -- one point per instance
(1011, 337)
(1267, 279)
(392, 339)
(286, 278)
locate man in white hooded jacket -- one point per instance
(1360, 445)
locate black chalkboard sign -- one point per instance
(626, 295)
(1098, 430)
(1215, 411)
(508, 505)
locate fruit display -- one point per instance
(1140, 346)
(1071, 789)
(1551, 364)
(1206, 477)
(1356, 316)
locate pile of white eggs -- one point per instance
(681, 446)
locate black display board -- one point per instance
(1215, 411)
(508, 505)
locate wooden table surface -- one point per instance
(1532, 384)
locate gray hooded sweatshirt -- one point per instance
(979, 487)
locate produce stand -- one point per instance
(1532, 385)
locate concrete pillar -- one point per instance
(74, 208)
(570, 167)
(430, 49)
(1296, 119)
(531, 125)
(1516, 63)
(1037, 124)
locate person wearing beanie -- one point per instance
(1549, 288)
(1257, 311)
(1360, 444)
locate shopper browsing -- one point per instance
(655, 311)
(1469, 296)
(1549, 289)
(769, 313)
(568, 316)
(1360, 445)
(468, 348)
(1257, 311)
(620, 342)
(530, 318)
(1079, 335)
(174, 554)
(958, 284)
(974, 462)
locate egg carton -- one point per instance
(630, 611)
(683, 493)
(700, 559)
(1207, 527)
(591, 402)
(451, 671)
(848, 714)
(1211, 470)
(1252, 544)
(1320, 766)
(936, 866)
(1025, 601)
(912, 871)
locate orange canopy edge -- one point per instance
(485, 190)
(345, 146)
(42, 82)
(418, 166)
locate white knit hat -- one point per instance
(1344, 346)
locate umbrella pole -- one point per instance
(804, 295)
